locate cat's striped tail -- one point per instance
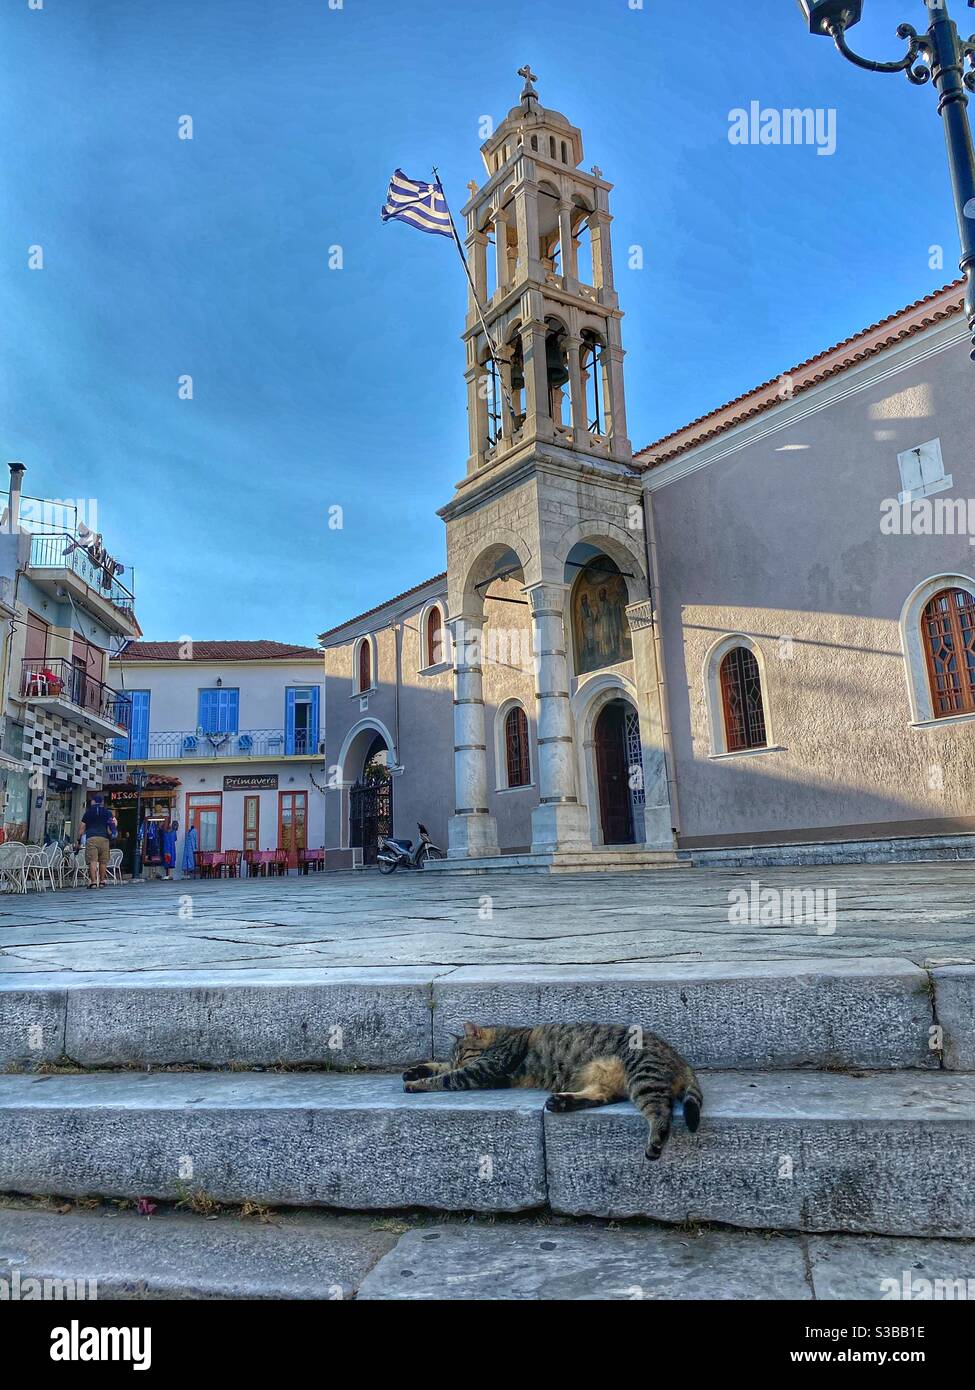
(655, 1077)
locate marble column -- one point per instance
(472, 829)
(538, 419)
(657, 815)
(559, 822)
(570, 259)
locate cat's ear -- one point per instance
(471, 1030)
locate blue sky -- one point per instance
(315, 388)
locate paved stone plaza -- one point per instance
(922, 912)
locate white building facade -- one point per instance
(230, 735)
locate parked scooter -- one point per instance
(403, 854)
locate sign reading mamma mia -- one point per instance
(256, 782)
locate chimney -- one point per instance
(17, 471)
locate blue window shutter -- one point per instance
(313, 731)
(289, 721)
(139, 736)
(206, 711)
(218, 711)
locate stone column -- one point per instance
(501, 249)
(472, 829)
(602, 249)
(615, 400)
(559, 822)
(538, 419)
(657, 815)
(526, 219)
(577, 389)
(570, 261)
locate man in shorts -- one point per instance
(98, 827)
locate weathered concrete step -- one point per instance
(311, 1255)
(594, 861)
(511, 1262)
(891, 1153)
(298, 1139)
(888, 1152)
(868, 1012)
(106, 1254)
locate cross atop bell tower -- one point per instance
(549, 368)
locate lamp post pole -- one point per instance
(140, 777)
(941, 55)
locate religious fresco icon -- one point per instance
(600, 629)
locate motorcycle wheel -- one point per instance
(434, 853)
(385, 866)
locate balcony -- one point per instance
(70, 691)
(59, 559)
(192, 745)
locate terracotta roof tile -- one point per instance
(217, 651)
(932, 309)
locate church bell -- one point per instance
(555, 365)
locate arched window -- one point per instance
(741, 700)
(948, 635)
(365, 664)
(434, 648)
(517, 759)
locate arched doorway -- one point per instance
(619, 773)
(371, 801)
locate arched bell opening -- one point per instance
(557, 370)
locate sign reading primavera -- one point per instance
(257, 782)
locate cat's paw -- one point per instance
(414, 1085)
(415, 1073)
(653, 1152)
(560, 1101)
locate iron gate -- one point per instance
(370, 814)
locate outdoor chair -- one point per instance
(115, 866)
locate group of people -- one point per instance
(99, 828)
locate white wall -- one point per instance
(174, 700)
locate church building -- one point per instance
(752, 641)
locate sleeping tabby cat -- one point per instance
(583, 1064)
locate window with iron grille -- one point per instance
(516, 747)
(741, 699)
(948, 630)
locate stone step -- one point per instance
(582, 861)
(870, 1012)
(889, 1152)
(112, 1254)
(318, 1255)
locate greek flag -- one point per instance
(422, 205)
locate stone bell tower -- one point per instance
(556, 375)
(549, 481)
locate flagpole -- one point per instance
(492, 348)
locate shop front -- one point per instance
(158, 811)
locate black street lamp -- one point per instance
(139, 779)
(940, 55)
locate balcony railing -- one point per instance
(57, 678)
(54, 552)
(172, 745)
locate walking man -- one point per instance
(98, 827)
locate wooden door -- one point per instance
(292, 820)
(612, 775)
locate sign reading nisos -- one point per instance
(257, 782)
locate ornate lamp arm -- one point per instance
(918, 73)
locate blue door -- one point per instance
(137, 744)
(301, 720)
